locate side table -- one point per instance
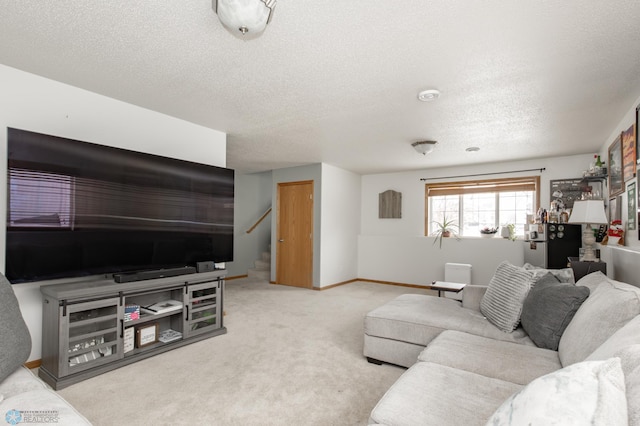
(581, 268)
(446, 286)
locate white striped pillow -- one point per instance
(503, 300)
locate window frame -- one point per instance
(525, 183)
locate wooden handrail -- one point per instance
(259, 220)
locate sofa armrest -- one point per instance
(472, 295)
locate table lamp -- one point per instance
(588, 212)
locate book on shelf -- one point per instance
(162, 307)
(169, 335)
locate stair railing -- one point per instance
(255, 225)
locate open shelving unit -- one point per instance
(86, 332)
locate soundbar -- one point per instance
(156, 273)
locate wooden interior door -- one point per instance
(294, 252)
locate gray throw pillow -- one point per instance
(506, 292)
(549, 308)
(14, 334)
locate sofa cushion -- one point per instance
(40, 406)
(610, 306)
(502, 302)
(586, 393)
(21, 380)
(14, 334)
(432, 394)
(627, 335)
(564, 275)
(490, 357)
(418, 319)
(630, 360)
(549, 308)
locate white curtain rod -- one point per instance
(485, 174)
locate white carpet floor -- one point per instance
(291, 357)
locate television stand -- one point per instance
(91, 327)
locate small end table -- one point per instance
(581, 268)
(446, 286)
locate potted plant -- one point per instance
(487, 232)
(509, 231)
(444, 229)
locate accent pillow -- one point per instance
(587, 393)
(14, 334)
(564, 275)
(549, 308)
(610, 305)
(507, 290)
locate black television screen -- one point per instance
(78, 209)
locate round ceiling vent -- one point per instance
(429, 95)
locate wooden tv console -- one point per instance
(85, 331)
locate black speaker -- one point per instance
(207, 266)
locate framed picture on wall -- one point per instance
(637, 138)
(613, 209)
(616, 184)
(631, 206)
(629, 153)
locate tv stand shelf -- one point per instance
(84, 332)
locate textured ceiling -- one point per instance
(336, 82)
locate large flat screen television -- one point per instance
(80, 209)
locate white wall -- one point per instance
(396, 250)
(37, 104)
(340, 225)
(622, 262)
(251, 201)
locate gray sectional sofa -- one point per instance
(581, 367)
(24, 398)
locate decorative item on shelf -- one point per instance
(615, 234)
(488, 232)
(146, 334)
(509, 231)
(128, 339)
(169, 335)
(131, 312)
(588, 212)
(162, 307)
(444, 229)
(596, 168)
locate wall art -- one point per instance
(629, 153)
(631, 206)
(616, 184)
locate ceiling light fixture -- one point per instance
(244, 17)
(428, 95)
(424, 147)
(472, 149)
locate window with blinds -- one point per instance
(475, 205)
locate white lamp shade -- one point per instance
(244, 16)
(588, 211)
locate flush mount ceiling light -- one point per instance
(424, 147)
(244, 18)
(472, 149)
(428, 95)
